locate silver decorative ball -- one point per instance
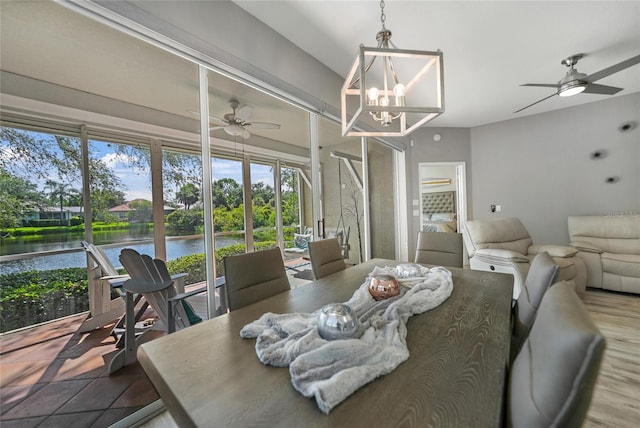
(337, 321)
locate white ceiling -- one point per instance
(490, 47)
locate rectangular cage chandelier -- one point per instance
(391, 92)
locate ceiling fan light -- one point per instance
(234, 129)
(572, 88)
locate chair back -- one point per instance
(501, 233)
(151, 278)
(101, 259)
(252, 277)
(326, 257)
(439, 248)
(552, 379)
(541, 275)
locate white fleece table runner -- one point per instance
(333, 370)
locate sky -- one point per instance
(138, 181)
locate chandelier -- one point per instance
(382, 104)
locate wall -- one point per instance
(538, 168)
(454, 146)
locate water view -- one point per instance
(176, 247)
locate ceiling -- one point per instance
(490, 48)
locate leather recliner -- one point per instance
(610, 249)
(504, 245)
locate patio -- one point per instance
(51, 375)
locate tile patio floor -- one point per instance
(53, 376)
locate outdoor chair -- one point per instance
(552, 379)
(109, 274)
(326, 257)
(151, 279)
(252, 277)
(439, 248)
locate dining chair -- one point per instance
(552, 378)
(439, 248)
(252, 277)
(541, 275)
(326, 257)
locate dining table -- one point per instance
(207, 375)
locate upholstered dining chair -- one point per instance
(326, 257)
(552, 379)
(439, 248)
(541, 275)
(252, 277)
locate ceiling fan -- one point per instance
(237, 122)
(574, 82)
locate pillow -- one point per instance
(426, 217)
(443, 217)
(302, 241)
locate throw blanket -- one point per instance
(333, 370)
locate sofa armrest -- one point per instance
(561, 251)
(586, 247)
(492, 255)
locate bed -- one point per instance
(439, 212)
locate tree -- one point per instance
(262, 194)
(57, 192)
(42, 156)
(227, 193)
(188, 195)
(142, 211)
(18, 196)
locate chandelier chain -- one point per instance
(383, 17)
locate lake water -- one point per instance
(176, 247)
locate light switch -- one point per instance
(416, 213)
(416, 202)
(498, 208)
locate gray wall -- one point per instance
(539, 169)
(454, 146)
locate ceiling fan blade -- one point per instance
(594, 88)
(613, 69)
(246, 134)
(244, 113)
(539, 101)
(211, 117)
(218, 119)
(264, 125)
(214, 128)
(543, 85)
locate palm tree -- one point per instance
(58, 191)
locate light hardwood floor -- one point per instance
(616, 400)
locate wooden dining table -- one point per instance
(208, 376)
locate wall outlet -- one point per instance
(416, 213)
(416, 203)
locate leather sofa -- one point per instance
(610, 249)
(504, 245)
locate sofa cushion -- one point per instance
(554, 250)
(621, 264)
(491, 255)
(612, 234)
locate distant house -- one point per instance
(53, 214)
(122, 211)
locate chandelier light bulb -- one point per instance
(384, 101)
(373, 96)
(399, 92)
